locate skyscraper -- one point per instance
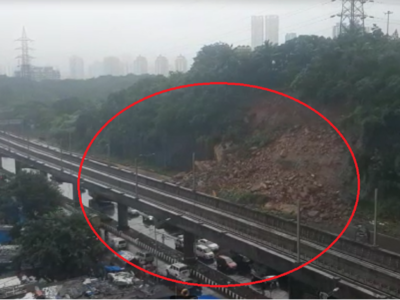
(95, 70)
(272, 29)
(76, 68)
(112, 66)
(181, 64)
(336, 30)
(290, 36)
(257, 31)
(140, 66)
(161, 65)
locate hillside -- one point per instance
(291, 153)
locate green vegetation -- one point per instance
(357, 75)
(56, 245)
(59, 246)
(31, 194)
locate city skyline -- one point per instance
(76, 67)
(56, 43)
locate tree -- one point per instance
(59, 246)
(33, 194)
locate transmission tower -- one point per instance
(25, 68)
(352, 16)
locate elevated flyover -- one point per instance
(355, 277)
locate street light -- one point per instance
(156, 226)
(137, 171)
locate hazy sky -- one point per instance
(95, 29)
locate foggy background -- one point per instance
(126, 29)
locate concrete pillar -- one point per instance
(18, 167)
(188, 248)
(75, 194)
(122, 217)
(296, 290)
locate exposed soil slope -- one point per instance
(302, 157)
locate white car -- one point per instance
(178, 270)
(133, 212)
(212, 246)
(204, 252)
(121, 278)
(118, 243)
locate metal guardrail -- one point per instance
(326, 261)
(375, 255)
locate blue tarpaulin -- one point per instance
(113, 269)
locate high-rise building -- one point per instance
(112, 66)
(140, 66)
(95, 70)
(290, 36)
(181, 64)
(271, 29)
(257, 31)
(76, 68)
(336, 30)
(161, 65)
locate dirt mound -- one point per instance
(292, 154)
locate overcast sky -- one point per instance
(95, 29)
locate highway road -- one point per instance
(162, 267)
(137, 224)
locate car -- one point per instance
(204, 252)
(266, 284)
(148, 219)
(212, 246)
(133, 212)
(145, 257)
(178, 270)
(121, 278)
(118, 243)
(243, 263)
(226, 264)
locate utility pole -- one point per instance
(388, 13)
(194, 170)
(298, 229)
(137, 178)
(375, 215)
(69, 142)
(109, 153)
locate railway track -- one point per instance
(264, 237)
(373, 255)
